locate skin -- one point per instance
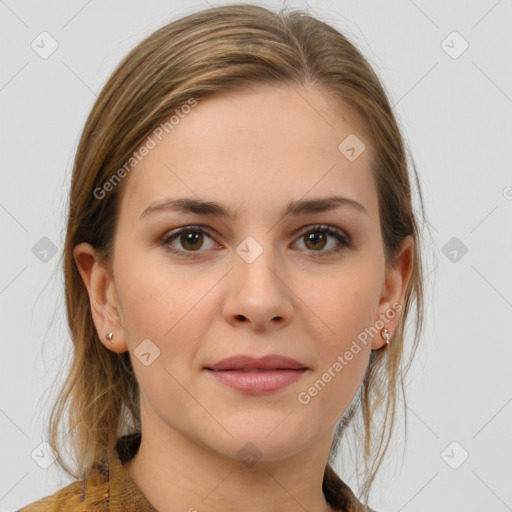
(254, 152)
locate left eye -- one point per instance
(191, 239)
(311, 238)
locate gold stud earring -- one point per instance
(109, 337)
(385, 334)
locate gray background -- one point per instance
(456, 113)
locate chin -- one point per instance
(261, 445)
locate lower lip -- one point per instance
(258, 382)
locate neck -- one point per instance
(166, 470)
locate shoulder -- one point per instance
(90, 495)
(60, 500)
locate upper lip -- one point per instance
(244, 362)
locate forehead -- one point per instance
(255, 150)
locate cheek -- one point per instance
(345, 305)
(156, 299)
(168, 307)
(342, 358)
(156, 309)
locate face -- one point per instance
(257, 281)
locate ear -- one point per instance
(393, 291)
(102, 296)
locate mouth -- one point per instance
(257, 376)
(250, 363)
(257, 381)
(253, 369)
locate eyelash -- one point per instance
(344, 241)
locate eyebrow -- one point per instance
(198, 206)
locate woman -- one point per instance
(241, 256)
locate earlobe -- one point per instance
(393, 293)
(102, 298)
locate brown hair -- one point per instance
(225, 48)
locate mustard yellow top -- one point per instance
(109, 488)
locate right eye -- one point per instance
(190, 237)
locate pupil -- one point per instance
(315, 238)
(192, 238)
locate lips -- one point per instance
(249, 363)
(257, 376)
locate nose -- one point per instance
(258, 293)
